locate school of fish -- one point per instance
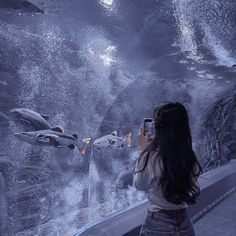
(38, 131)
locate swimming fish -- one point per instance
(31, 120)
(53, 138)
(20, 5)
(112, 140)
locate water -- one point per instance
(95, 67)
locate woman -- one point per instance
(167, 170)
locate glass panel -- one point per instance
(92, 67)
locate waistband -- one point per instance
(181, 211)
(175, 210)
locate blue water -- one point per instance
(95, 66)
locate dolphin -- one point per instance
(112, 140)
(53, 138)
(31, 120)
(20, 5)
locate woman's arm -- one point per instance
(141, 173)
(196, 173)
(140, 179)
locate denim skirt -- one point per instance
(167, 223)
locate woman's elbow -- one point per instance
(137, 184)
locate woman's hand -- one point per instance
(143, 139)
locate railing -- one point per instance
(215, 186)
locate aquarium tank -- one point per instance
(85, 69)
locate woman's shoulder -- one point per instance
(155, 155)
(155, 160)
(149, 157)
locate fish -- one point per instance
(20, 5)
(113, 140)
(31, 120)
(53, 138)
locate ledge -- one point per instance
(215, 186)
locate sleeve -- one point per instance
(141, 178)
(196, 173)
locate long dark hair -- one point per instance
(173, 143)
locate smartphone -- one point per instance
(148, 126)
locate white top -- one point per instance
(148, 182)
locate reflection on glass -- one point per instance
(95, 67)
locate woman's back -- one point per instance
(167, 170)
(149, 181)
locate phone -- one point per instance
(148, 126)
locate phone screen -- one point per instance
(148, 126)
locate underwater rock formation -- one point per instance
(218, 132)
